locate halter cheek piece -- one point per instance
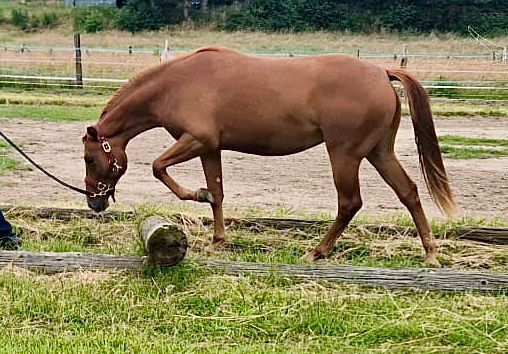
(104, 189)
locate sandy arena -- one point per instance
(302, 182)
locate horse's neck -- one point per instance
(125, 127)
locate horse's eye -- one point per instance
(89, 160)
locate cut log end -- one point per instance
(165, 241)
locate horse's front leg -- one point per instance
(212, 167)
(186, 148)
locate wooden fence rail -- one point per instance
(415, 278)
(491, 235)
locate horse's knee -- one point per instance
(158, 169)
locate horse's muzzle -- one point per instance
(98, 204)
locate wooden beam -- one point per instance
(57, 262)
(491, 235)
(415, 278)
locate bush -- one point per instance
(19, 18)
(290, 15)
(489, 16)
(49, 20)
(136, 16)
(94, 19)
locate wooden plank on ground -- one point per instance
(491, 235)
(416, 278)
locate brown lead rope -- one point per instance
(76, 189)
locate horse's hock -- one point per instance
(165, 241)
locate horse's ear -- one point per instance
(92, 132)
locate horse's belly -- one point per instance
(271, 141)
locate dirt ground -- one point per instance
(302, 182)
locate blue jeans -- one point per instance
(5, 227)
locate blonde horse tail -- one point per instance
(431, 162)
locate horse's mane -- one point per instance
(146, 74)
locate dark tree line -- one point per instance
(368, 16)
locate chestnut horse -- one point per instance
(217, 99)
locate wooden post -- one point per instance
(165, 241)
(403, 61)
(358, 53)
(79, 68)
(186, 10)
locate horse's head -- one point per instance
(105, 164)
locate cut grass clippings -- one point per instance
(459, 147)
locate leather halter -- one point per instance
(104, 189)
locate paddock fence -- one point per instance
(467, 76)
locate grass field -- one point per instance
(6, 162)
(73, 105)
(255, 41)
(459, 147)
(192, 309)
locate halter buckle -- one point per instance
(106, 147)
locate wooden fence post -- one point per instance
(403, 60)
(79, 68)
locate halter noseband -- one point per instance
(104, 189)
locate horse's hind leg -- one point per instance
(384, 160)
(213, 172)
(345, 175)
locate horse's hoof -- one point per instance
(203, 195)
(214, 246)
(313, 256)
(432, 262)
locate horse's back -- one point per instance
(285, 105)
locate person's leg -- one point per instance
(8, 240)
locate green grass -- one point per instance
(357, 247)
(62, 98)
(69, 106)
(459, 147)
(445, 109)
(190, 308)
(50, 113)
(462, 140)
(7, 163)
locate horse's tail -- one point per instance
(431, 162)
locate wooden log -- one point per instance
(165, 241)
(413, 278)
(416, 278)
(56, 262)
(66, 213)
(491, 235)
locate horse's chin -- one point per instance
(98, 204)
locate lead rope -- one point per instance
(76, 189)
